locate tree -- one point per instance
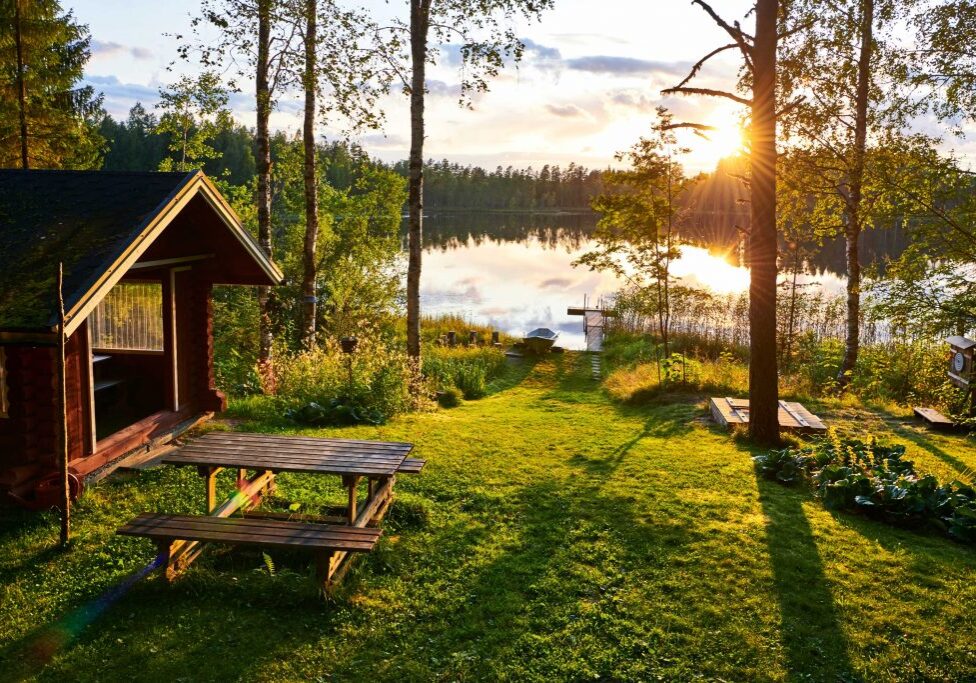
(340, 75)
(849, 64)
(639, 214)
(254, 40)
(758, 52)
(194, 113)
(46, 120)
(483, 33)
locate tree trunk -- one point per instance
(763, 379)
(21, 87)
(263, 104)
(419, 21)
(853, 215)
(65, 534)
(311, 187)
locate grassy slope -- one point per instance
(553, 535)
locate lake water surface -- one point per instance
(515, 273)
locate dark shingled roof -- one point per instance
(83, 219)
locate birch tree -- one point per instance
(253, 41)
(851, 66)
(484, 32)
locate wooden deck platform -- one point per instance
(729, 412)
(933, 418)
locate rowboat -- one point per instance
(539, 340)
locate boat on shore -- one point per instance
(539, 340)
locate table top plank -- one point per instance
(291, 454)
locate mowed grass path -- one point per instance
(552, 536)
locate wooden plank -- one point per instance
(182, 553)
(264, 462)
(275, 438)
(933, 418)
(792, 416)
(320, 447)
(162, 524)
(308, 453)
(303, 540)
(411, 466)
(278, 459)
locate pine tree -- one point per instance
(46, 119)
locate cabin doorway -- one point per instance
(128, 349)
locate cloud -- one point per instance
(565, 111)
(556, 283)
(101, 49)
(541, 52)
(534, 54)
(119, 96)
(437, 88)
(631, 99)
(625, 66)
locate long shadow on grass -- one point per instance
(544, 587)
(924, 441)
(660, 422)
(811, 632)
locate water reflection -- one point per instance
(514, 271)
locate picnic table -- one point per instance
(332, 539)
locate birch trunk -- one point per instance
(263, 105)
(311, 188)
(853, 215)
(419, 23)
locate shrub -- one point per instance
(371, 385)
(450, 397)
(467, 368)
(876, 479)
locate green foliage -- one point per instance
(875, 479)
(469, 369)
(635, 237)
(194, 113)
(450, 397)
(62, 117)
(327, 386)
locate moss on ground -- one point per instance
(554, 535)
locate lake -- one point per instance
(514, 272)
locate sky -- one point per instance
(586, 89)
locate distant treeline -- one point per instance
(135, 144)
(451, 186)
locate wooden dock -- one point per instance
(793, 417)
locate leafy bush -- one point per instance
(877, 480)
(371, 385)
(450, 397)
(470, 369)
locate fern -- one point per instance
(268, 563)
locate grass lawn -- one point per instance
(553, 535)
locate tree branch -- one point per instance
(707, 91)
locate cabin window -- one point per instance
(4, 408)
(129, 318)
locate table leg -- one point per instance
(211, 478)
(351, 482)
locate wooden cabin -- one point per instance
(141, 253)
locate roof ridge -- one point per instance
(175, 174)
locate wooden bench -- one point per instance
(173, 532)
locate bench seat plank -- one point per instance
(252, 531)
(412, 465)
